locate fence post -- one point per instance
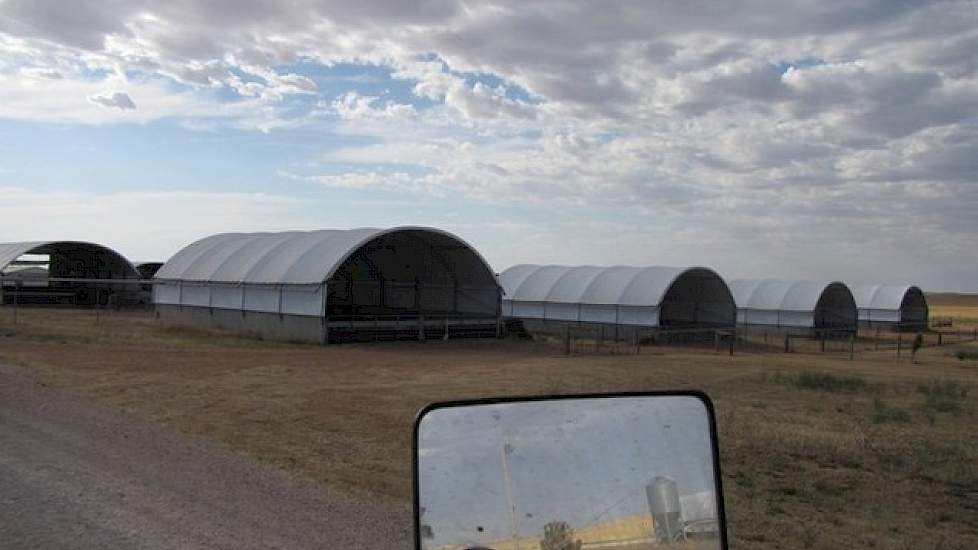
(940, 339)
(716, 341)
(787, 343)
(899, 343)
(821, 341)
(852, 345)
(733, 340)
(567, 341)
(16, 298)
(638, 341)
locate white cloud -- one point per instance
(144, 225)
(755, 121)
(353, 106)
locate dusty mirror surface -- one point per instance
(568, 474)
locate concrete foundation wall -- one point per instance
(297, 328)
(270, 326)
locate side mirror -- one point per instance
(636, 471)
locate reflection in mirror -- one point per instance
(629, 472)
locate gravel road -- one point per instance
(78, 475)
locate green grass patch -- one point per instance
(943, 396)
(884, 413)
(831, 383)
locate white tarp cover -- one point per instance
(9, 252)
(890, 303)
(614, 295)
(791, 303)
(285, 272)
(619, 285)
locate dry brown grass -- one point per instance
(809, 462)
(962, 308)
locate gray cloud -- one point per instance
(117, 100)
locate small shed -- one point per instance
(622, 296)
(64, 272)
(901, 307)
(147, 270)
(794, 305)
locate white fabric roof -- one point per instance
(11, 251)
(291, 257)
(619, 285)
(881, 296)
(771, 294)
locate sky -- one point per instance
(583, 462)
(810, 139)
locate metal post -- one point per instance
(822, 341)
(852, 345)
(940, 339)
(98, 305)
(417, 286)
(16, 298)
(787, 344)
(716, 341)
(567, 341)
(637, 341)
(899, 343)
(733, 340)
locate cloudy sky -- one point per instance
(813, 139)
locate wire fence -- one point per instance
(581, 339)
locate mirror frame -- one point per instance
(705, 399)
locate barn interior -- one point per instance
(66, 273)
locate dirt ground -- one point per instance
(817, 451)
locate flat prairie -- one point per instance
(818, 451)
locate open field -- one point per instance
(818, 451)
(963, 308)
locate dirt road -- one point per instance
(78, 475)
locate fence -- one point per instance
(575, 339)
(109, 294)
(585, 338)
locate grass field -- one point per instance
(963, 308)
(818, 451)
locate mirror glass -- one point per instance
(632, 473)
